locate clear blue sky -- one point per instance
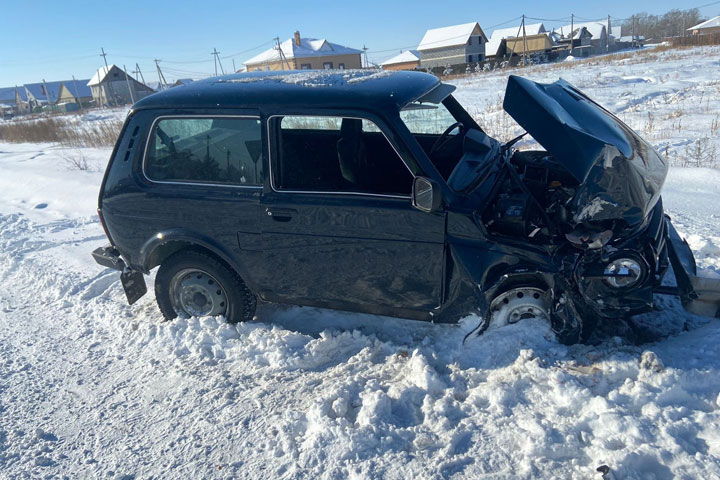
(57, 39)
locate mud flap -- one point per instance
(133, 283)
(699, 295)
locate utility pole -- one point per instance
(365, 49)
(525, 55)
(607, 36)
(138, 73)
(632, 32)
(127, 80)
(77, 93)
(107, 70)
(283, 59)
(161, 77)
(216, 57)
(234, 69)
(572, 30)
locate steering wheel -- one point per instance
(443, 139)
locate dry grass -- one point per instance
(61, 130)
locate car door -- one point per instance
(330, 243)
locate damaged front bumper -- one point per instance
(133, 282)
(699, 295)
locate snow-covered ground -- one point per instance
(93, 388)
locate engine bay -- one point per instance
(530, 199)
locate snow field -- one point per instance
(93, 388)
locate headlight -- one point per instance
(623, 272)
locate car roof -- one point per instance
(358, 89)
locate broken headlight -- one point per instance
(623, 272)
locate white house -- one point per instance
(452, 45)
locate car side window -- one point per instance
(215, 150)
(337, 154)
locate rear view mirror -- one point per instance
(426, 195)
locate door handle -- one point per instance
(280, 214)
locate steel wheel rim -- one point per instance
(196, 293)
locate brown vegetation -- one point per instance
(62, 130)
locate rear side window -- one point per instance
(217, 150)
(337, 155)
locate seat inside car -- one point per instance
(352, 152)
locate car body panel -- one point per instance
(620, 173)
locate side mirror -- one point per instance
(426, 195)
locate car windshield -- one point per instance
(427, 118)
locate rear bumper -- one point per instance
(132, 281)
(109, 257)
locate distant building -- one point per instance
(41, 94)
(600, 41)
(299, 53)
(110, 86)
(75, 91)
(452, 45)
(706, 27)
(496, 46)
(579, 43)
(540, 43)
(182, 81)
(407, 60)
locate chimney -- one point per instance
(297, 38)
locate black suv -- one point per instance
(377, 192)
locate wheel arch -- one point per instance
(163, 244)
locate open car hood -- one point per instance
(620, 174)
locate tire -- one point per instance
(194, 283)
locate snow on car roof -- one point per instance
(309, 47)
(380, 89)
(448, 36)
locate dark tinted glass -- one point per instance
(206, 150)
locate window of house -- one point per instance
(469, 58)
(217, 150)
(305, 66)
(341, 66)
(336, 154)
(328, 65)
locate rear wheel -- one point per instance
(192, 283)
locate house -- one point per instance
(407, 60)
(600, 41)
(22, 106)
(43, 93)
(7, 96)
(300, 53)
(529, 44)
(706, 27)
(452, 45)
(75, 91)
(579, 44)
(111, 86)
(496, 47)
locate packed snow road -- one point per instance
(93, 388)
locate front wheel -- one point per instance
(191, 283)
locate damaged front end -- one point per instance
(580, 225)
